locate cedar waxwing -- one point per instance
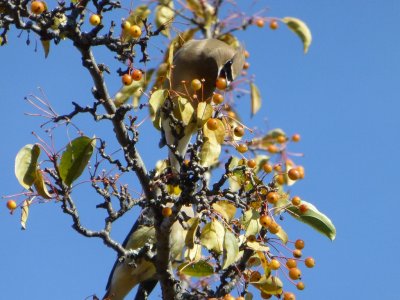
(204, 60)
(197, 59)
(125, 277)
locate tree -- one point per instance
(225, 208)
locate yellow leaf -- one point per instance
(41, 186)
(209, 153)
(204, 112)
(231, 249)
(164, 15)
(270, 285)
(215, 136)
(255, 99)
(301, 29)
(191, 234)
(212, 236)
(184, 110)
(226, 209)
(157, 99)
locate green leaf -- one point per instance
(315, 219)
(251, 223)
(282, 235)
(141, 236)
(301, 29)
(26, 165)
(271, 285)
(255, 98)
(157, 99)
(40, 185)
(75, 158)
(212, 236)
(200, 268)
(231, 249)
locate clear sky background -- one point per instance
(344, 99)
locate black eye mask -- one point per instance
(227, 71)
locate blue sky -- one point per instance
(342, 97)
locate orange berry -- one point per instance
(221, 83)
(273, 25)
(137, 75)
(238, 131)
(94, 20)
(300, 169)
(196, 84)
(246, 54)
(296, 137)
(126, 25)
(265, 221)
(294, 273)
(309, 262)
(265, 295)
(299, 244)
(255, 276)
(260, 22)
(37, 7)
(212, 124)
(297, 253)
(267, 168)
(278, 167)
(135, 31)
(300, 286)
(281, 139)
(246, 66)
(280, 179)
(273, 197)
(272, 149)
(303, 208)
(240, 298)
(242, 148)
(166, 211)
(296, 200)
(251, 163)
(274, 228)
(127, 79)
(293, 174)
(11, 204)
(289, 296)
(291, 263)
(251, 238)
(274, 264)
(218, 98)
(229, 297)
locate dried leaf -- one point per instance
(40, 185)
(46, 46)
(301, 29)
(25, 213)
(191, 234)
(255, 99)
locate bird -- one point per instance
(124, 277)
(205, 60)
